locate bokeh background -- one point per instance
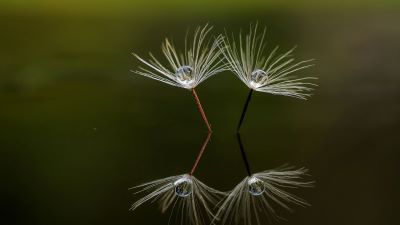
(77, 129)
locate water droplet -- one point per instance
(184, 75)
(183, 186)
(256, 186)
(257, 78)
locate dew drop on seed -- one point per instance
(257, 77)
(256, 186)
(184, 75)
(183, 187)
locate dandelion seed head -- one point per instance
(256, 186)
(183, 186)
(188, 67)
(184, 76)
(191, 201)
(256, 197)
(263, 70)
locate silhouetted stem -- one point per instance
(200, 154)
(203, 114)
(244, 110)
(244, 156)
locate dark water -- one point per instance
(77, 129)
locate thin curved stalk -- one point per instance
(201, 110)
(244, 156)
(246, 104)
(200, 154)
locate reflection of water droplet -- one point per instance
(184, 75)
(257, 77)
(183, 186)
(256, 186)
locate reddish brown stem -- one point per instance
(203, 114)
(200, 154)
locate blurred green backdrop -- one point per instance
(77, 129)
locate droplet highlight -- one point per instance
(183, 187)
(257, 78)
(185, 76)
(256, 186)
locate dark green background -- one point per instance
(77, 129)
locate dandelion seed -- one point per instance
(256, 196)
(199, 61)
(270, 74)
(184, 193)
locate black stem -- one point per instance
(244, 110)
(244, 156)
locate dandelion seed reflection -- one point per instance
(183, 193)
(257, 195)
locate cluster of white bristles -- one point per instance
(246, 57)
(251, 201)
